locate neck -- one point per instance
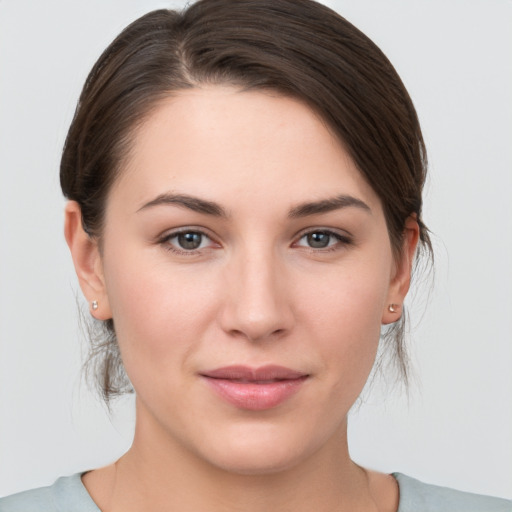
(160, 474)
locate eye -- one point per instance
(189, 241)
(322, 239)
(186, 241)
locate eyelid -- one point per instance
(167, 235)
(324, 229)
(343, 237)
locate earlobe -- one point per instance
(87, 261)
(401, 279)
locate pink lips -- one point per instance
(255, 389)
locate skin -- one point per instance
(254, 293)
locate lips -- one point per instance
(255, 389)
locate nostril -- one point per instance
(257, 335)
(255, 308)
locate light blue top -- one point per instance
(68, 494)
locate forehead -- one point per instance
(223, 142)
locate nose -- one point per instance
(257, 306)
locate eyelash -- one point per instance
(165, 241)
(341, 241)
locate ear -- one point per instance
(401, 278)
(87, 260)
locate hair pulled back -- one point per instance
(299, 48)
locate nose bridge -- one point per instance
(257, 305)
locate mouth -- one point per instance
(255, 389)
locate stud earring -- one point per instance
(94, 305)
(393, 308)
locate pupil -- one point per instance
(318, 240)
(189, 240)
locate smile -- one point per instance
(255, 389)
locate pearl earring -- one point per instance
(94, 305)
(393, 308)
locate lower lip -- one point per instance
(254, 396)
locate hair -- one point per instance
(298, 48)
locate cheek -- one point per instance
(158, 311)
(350, 297)
(345, 316)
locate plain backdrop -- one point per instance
(455, 57)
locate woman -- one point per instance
(245, 205)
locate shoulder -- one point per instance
(67, 494)
(416, 496)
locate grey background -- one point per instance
(455, 58)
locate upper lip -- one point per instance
(246, 373)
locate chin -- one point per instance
(256, 464)
(258, 453)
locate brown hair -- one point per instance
(297, 47)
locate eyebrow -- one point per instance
(211, 208)
(185, 201)
(327, 205)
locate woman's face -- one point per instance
(248, 269)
